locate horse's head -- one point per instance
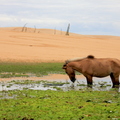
(70, 71)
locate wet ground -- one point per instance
(55, 82)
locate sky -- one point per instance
(88, 17)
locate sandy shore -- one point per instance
(51, 77)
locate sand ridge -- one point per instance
(46, 45)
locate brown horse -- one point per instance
(94, 67)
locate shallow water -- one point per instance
(99, 84)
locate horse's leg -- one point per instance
(115, 79)
(89, 81)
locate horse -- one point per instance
(93, 67)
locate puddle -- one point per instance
(8, 86)
(55, 82)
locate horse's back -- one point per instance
(107, 66)
(99, 67)
(107, 62)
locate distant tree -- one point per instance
(68, 28)
(24, 27)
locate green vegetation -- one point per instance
(22, 69)
(27, 104)
(59, 105)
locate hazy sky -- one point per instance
(98, 17)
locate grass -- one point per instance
(8, 75)
(53, 105)
(59, 105)
(20, 69)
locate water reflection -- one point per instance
(55, 86)
(7, 86)
(67, 87)
(99, 84)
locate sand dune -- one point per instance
(46, 45)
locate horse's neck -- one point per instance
(76, 67)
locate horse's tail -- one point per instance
(119, 66)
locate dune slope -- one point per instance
(46, 45)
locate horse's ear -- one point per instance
(64, 67)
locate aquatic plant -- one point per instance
(70, 105)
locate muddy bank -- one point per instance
(59, 77)
(50, 77)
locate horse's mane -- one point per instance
(78, 59)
